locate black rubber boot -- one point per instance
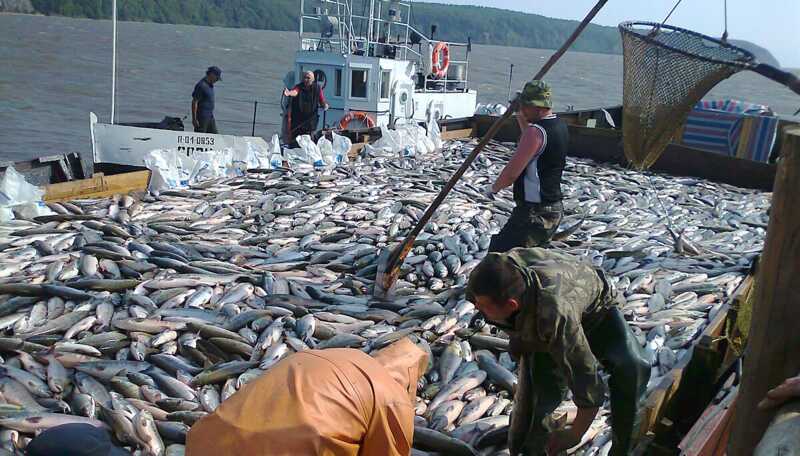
(616, 347)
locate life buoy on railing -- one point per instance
(439, 69)
(356, 115)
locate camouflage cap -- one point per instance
(536, 93)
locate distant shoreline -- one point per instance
(795, 70)
(10, 13)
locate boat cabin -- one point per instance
(370, 61)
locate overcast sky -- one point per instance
(772, 24)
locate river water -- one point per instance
(56, 70)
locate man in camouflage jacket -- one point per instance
(563, 319)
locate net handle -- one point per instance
(776, 74)
(748, 63)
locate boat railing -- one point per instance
(337, 28)
(350, 39)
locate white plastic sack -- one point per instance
(207, 165)
(326, 150)
(6, 214)
(275, 155)
(435, 135)
(163, 171)
(257, 157)
(238, 165)
(295, 156)
(29, 211)
(15, 190)
(341, 147)
(311, 150)
(390, 141)
(419, 138)
(169, 169)
(20, 198)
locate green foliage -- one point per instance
(455, 23)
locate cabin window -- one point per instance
(321, 78)
(358, 84)
(386, 78)
(338, 82)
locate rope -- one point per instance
(261, 102)
(725, 32)
(248, 122)
(671, 11)
(668, 224)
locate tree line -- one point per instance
(455, 23)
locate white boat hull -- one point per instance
(124, 145)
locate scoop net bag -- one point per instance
(666, 71)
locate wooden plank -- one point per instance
(656, 402)
(661, 397)
(456, 134)
(707, 436)
(708, 342)
(773, 348)
(715, 327)
(98, 186)
(605, 145)
(678, 160)
(355, 149)
(734, 335)
(745, 136)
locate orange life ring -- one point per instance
(440, 69)
(357, 115)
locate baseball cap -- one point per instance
(215, 71)
(536, 93)
(75, 439)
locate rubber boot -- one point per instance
(616, 347)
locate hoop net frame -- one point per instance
(667, 70)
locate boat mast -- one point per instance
(113, 58)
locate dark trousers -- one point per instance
(304, 125)
(616, 348)
(206, 125)
(530, 225)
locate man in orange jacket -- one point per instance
(320, 402)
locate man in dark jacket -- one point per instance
(307, 98)
(535, 172)
(564, 322)
(203, 102)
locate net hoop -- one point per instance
(747, 59)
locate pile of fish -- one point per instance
(142, 314)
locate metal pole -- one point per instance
(302, 13)
(773, 348)
(113, 60)
(370, 27)
(510, 76)
(390, 262)
(255, 110)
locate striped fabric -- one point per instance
(733, 106)
(721, 130)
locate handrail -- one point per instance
(349, 38)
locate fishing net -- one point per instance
(667, 70)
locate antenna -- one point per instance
(114, 60)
